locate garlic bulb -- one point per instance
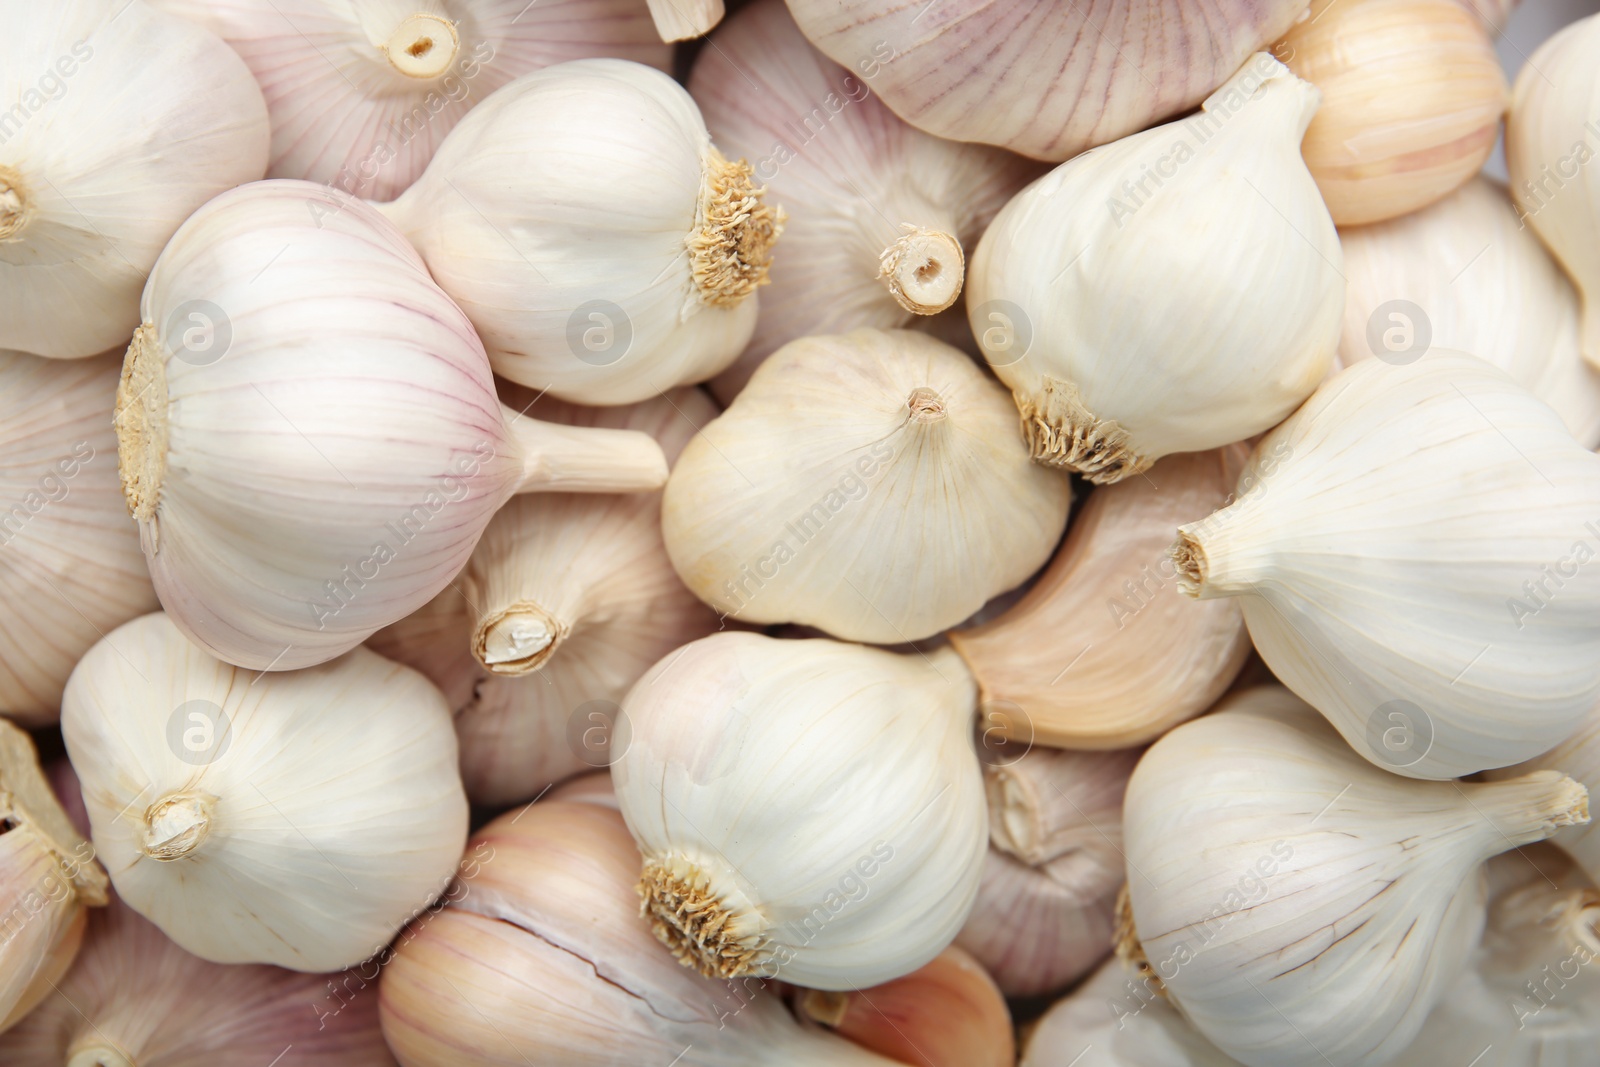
(1552, 134)
(619, 260)
(1116, 1020)
(1319, 905)
(1102, 652)
(540, 957)
(308, 431)
(872, 484)
(1494, 13)
(827, 148)
(1126, 299)
(565, 602)
(362, 94)
(1046, 80)
(806, 809)
(1412, 95)
(70, 566)
(297, 819)
(1464, 274)
(135, 999)
(102, 154)
(1577, 755)
(1408, 548)
(48, 875)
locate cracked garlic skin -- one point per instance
(1320, 905)
(871, 484)
(293, 818)
(1174, 291)
(362, 94)
(807, 809)
(619, 260)
(96, 175)
(1411, 549)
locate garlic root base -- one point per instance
(1189, 559)
(730, 249)
(1125, 942)
(693, 922)
(1062, 432)
(141, 422)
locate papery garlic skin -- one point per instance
(1046, 80)
(1552, 134)
(1579, 756)
(361, 94)
(616, 262)
(1320, 905)
(1110, 294)
(826, 147)
(1393, 549)
(292, 818)
(308, 430)
(807, 809)
(872, 484)
(102, 155)
(1476, 280)
(70, 565)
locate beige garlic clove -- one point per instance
(1049, 803)
(682, 20)
(1046, 80)
(827, 147)
(1103, 652)
(1579, 756)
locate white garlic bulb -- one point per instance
(1465, 274)
(808, 809)
(872, 484)
(308, 431)
(565, 602)
(70, 566)
(1127, 297)
(880, 214)
(1409, 550)
(102, 154)
(362, 94)
(1579, 756)
(293, 818)
(1117, 1019)
(1319, 905)
(618, 259)
(1552, 135)
(1046, 80)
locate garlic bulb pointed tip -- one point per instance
(176, 825)
(923, 270)
(518, 639)
(14, 208)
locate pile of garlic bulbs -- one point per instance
(799, 533)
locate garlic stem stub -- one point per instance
(361, 95)
(1409, 549)
(1102, 652)
(102, 155)
(1110, 294)
(308, 431)
(292, 818)
(872, 484)
(1320, 905)
(618, 261)
(807, 810)
(1579, 756)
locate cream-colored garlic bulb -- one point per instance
(362, 94)
(809, 810)
(1318, 906)
(297, 818)
(1552, 138)
(135, 999)
(1102, 652)
(48, 879)
(1579, 756)
(880, 214)
(1046, 80)
(103, 152)
(616, 259)
(1116, 1019)
(1412, 95)
(872, 484)
(308, 431)
(1464, 273)
(70, 566)
(1411, 551)
(565, 602)
(540, 957)
(1175, 291)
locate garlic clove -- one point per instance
(871, 484)
(1446, 461)
(681, 20)
(591, 788)
(1049, 803)
(1109, 377)
(1579, 756)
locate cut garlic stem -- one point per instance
(13, 204)
(923, 270)
(99, 1054)
(518, 639)
(585, 459)
(682, 20)
(175, 825)
(423, 46)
